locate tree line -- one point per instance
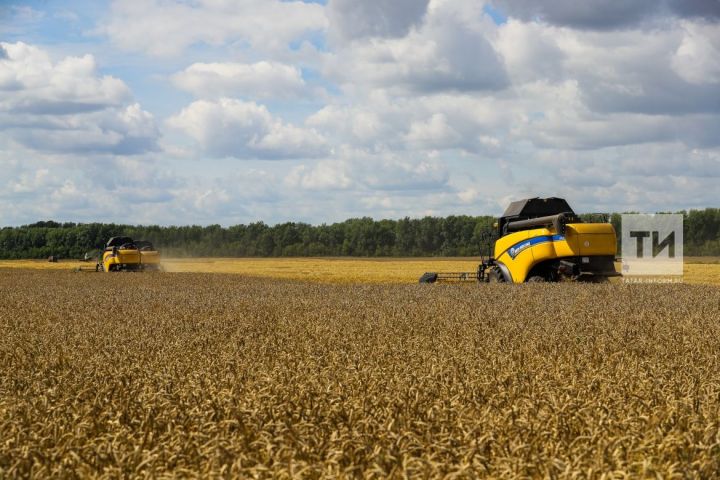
(429, 236)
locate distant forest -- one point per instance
(429, 236)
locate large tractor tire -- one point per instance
(495, 275)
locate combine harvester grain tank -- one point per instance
(543, 240)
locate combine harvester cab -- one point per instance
(124, 254)
(542, 240)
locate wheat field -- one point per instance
(214, 375)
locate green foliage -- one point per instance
(429, 236)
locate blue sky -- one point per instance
(220, 111)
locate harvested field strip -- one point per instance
(386, 271)
(198, 374)
(698, 270)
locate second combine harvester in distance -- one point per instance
(125, 254)
(542, 240)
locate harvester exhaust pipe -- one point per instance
(556, 221)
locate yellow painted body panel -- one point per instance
(522, 262)
(521, 251)
(130, 259)
(595, 238)
(150, 257)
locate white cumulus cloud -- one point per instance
(31, 83)
(233, 128)
(697, 59)
(350, 19)
(231, 79)
(67, 107)
(167, 27)
(448, 51)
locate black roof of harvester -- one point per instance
(536, 207)
(531, 208)
(118, 241)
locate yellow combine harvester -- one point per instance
(124, 254)
(542, 240)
